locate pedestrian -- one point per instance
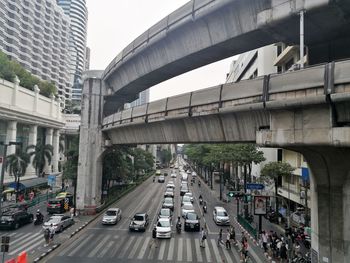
(264, 238)
(203, 238)
(220, 237)
(52, 233)
(243, 239)
(244, 251)
(47, 236)
(154, 237)
(283, 253)
(71, 211)
(233, 235)
(228, 237)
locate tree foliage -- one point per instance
(165, 156)
(10, 69)
(276, 169)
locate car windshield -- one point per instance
(169, 190)
(54, 220)
(138, 218)
(186, 198)
(168, 200)
(222, 213)
(188, 207)
(191, 216)
(111, 213)
(163, 223)
(165, 212)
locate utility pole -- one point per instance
(302, 38)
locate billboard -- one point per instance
(260, 205)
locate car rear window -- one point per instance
(222, 213)
(111, 213)
(139, 218)
(54, 202)
(191, 216)
(6, 218)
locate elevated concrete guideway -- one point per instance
(305, 107)
(205, 31)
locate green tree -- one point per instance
(143, 160)
(41, 154)
(275, 170)
(165, 156)
(16, 165)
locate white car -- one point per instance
(186, 199)
(163, 228)
(170, 185)
(59, 222)
(194, 174)
(173, 175)
(112, 216)
(190, 195)
(186, 208)
(221, 216)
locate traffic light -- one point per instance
(235, 194)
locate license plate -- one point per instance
(136, 228)
(192, 226)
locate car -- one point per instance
(112, 216)
(158, 172)
(170, 184)
(161, 179)
(186, 208)
(165, 213)
(188, 171)
(14, 218)
(165, 174)
(184, 177)
(183, 190)
(163, 228)
(139, 222)
(173, 175)
(194, 174)
(64, 195)
(186, 199)
(55, 206)
(190, 195)
(59, 222)
(169, 192)
(192, 222)
(221, 216)
(297, 218)
(168, 203)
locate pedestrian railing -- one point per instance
(247, 226)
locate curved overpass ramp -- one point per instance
(205, 31)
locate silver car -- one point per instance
(221, 216)
(112, 216)
(59, 222)
(186, 208)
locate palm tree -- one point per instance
(17, 165)
(42, 154)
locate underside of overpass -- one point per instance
(202, 32)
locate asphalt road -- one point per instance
(99, 243)
(30, 237)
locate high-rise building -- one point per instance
(77, 11)
(143, 99)
(36, 34)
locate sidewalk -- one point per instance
(256, 251)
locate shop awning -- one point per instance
(28, 183)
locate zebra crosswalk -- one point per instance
(24, 241)
(143, 248)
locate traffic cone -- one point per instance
(22, 257)
(12, 260)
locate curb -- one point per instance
(47, 252)
(81, 227)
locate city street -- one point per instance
(100, 243)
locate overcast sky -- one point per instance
(113, 24)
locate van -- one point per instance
(184, 177)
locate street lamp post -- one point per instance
(3, 169)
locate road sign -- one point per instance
(5, 243)
(255, 186)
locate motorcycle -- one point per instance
(38, 220)
(200, 201)
(154, 179)
(178, 227)
(199, 183)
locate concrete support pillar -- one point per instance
(15, 91)
(48, 140)
(32, 139)
(91, 144)
(55, 144)
(36, 98)
(330, 203)
(11, 136)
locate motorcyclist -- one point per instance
(154, 178)
(200, 199)
(178, 224)
(199, 183)
(39, 216)
(204, 206)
